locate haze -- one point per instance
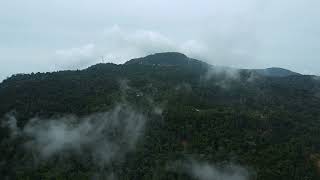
(38, 35)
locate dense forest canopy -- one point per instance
(164, 116)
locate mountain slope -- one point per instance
(266, 125)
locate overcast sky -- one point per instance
(38, 35)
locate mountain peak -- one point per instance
(170, 54)
(166, 58)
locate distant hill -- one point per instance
(275, 72)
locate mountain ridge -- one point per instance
(167, 59)
(179, 59)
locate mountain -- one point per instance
(163, 116)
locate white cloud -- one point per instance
(82, 51)
(75, 58)
(118, 45)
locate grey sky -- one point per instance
(37, 35)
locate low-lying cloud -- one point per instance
(203, 170)
(105, 136)
(206, 171)
(226, 77)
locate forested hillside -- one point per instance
(165, 116)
